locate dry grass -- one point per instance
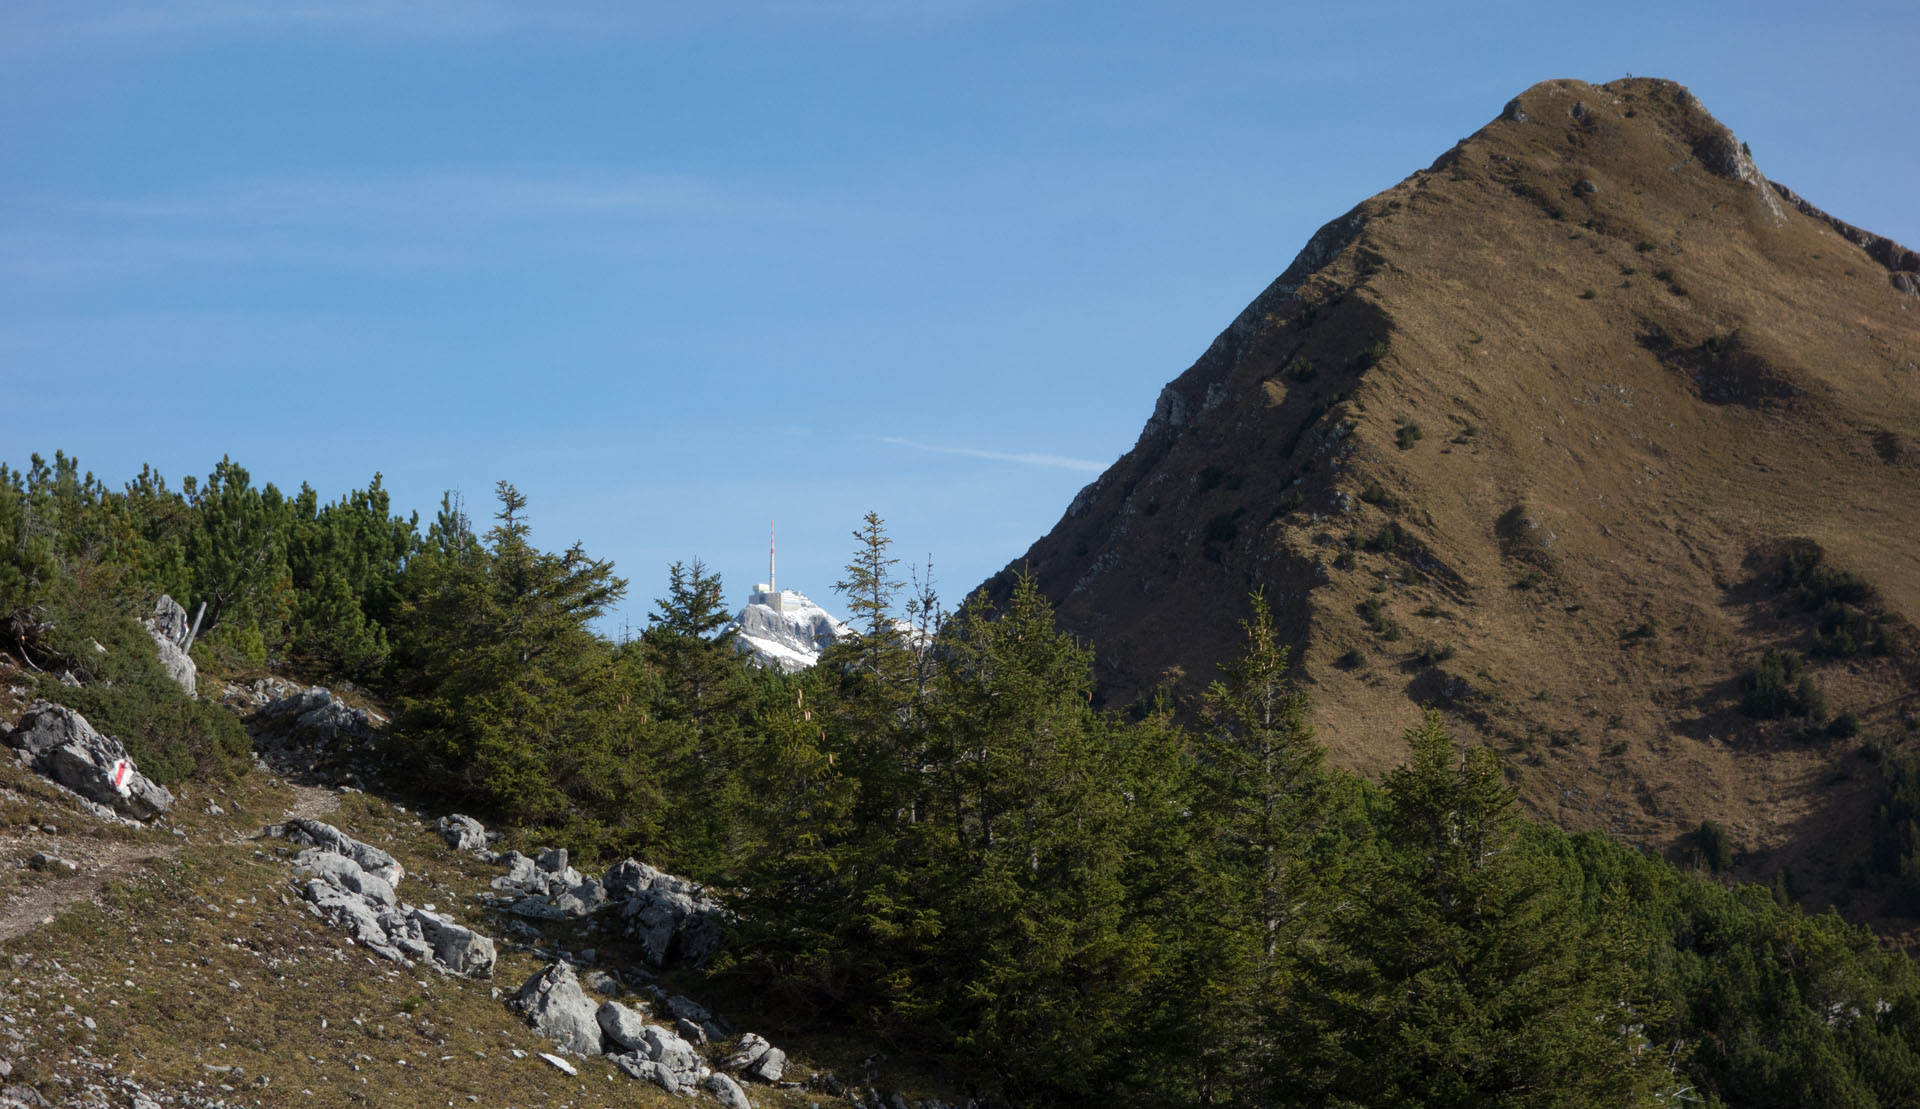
(1735, 381)
(210, 961)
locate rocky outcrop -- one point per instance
(557, 1008)
(754, 1057)
(169, 628)
(727, 1092)
(674, 920)
(350, 885)
(462, 833)
(784, 630)
(58, 742)
(326, 837)
(547, 888)
(455, 946)
(312, 721)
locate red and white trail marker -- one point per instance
(123, 777)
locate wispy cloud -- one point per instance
(1055, 461)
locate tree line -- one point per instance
(933, 838)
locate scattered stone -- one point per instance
(639, 1066)
(563, 1066)
(558, 1009)
(549, 889)
(314, 833)
(625, 1028)
(599, 981)
(456, 947)
(43, 861)
(462, 833)
(727, 1092)
(59, 743)
(756, 1058)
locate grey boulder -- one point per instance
(168, 627)
(674, 920)
(727, 1092)
(557, 1008)
(59, 743)
(624, 1027)
(455, 946)
(756, 1058)
(462, 833)
(639, 1066)
(326, 837)
(342, 872)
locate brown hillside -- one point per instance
(1529, 437)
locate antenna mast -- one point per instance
(772, 585)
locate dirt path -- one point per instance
(312, 802)
(101, 862)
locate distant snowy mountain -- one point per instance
(784, 630)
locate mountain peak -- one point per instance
(1590, 371)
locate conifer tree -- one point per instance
(1462, 974)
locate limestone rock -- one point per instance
(676, 1055)
(343, 872)
(169, 626)
(462, 833)
(727, 1092)
(550, 889)
(455, 946)
(59, 743)
(624, 1027)
(756, 1058)
(639, 1066)
(326, 837)
(558, 1009)
(674, 920)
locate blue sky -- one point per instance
(679, 269)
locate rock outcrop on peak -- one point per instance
(1595, 310)
(784, 630)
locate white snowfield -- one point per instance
(785, 630)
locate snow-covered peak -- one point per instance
(785, 630)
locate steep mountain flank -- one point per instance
(1560, 435)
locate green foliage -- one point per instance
(1374, 611)
(1370, 356)
(1777, 686)
(1456, 970)
(941, 841)
(128, 695)
(1388, 538)
(513, 704)
(1407, 434)
(1376, 494)
(1716, 848)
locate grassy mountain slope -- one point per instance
(1530, 437)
